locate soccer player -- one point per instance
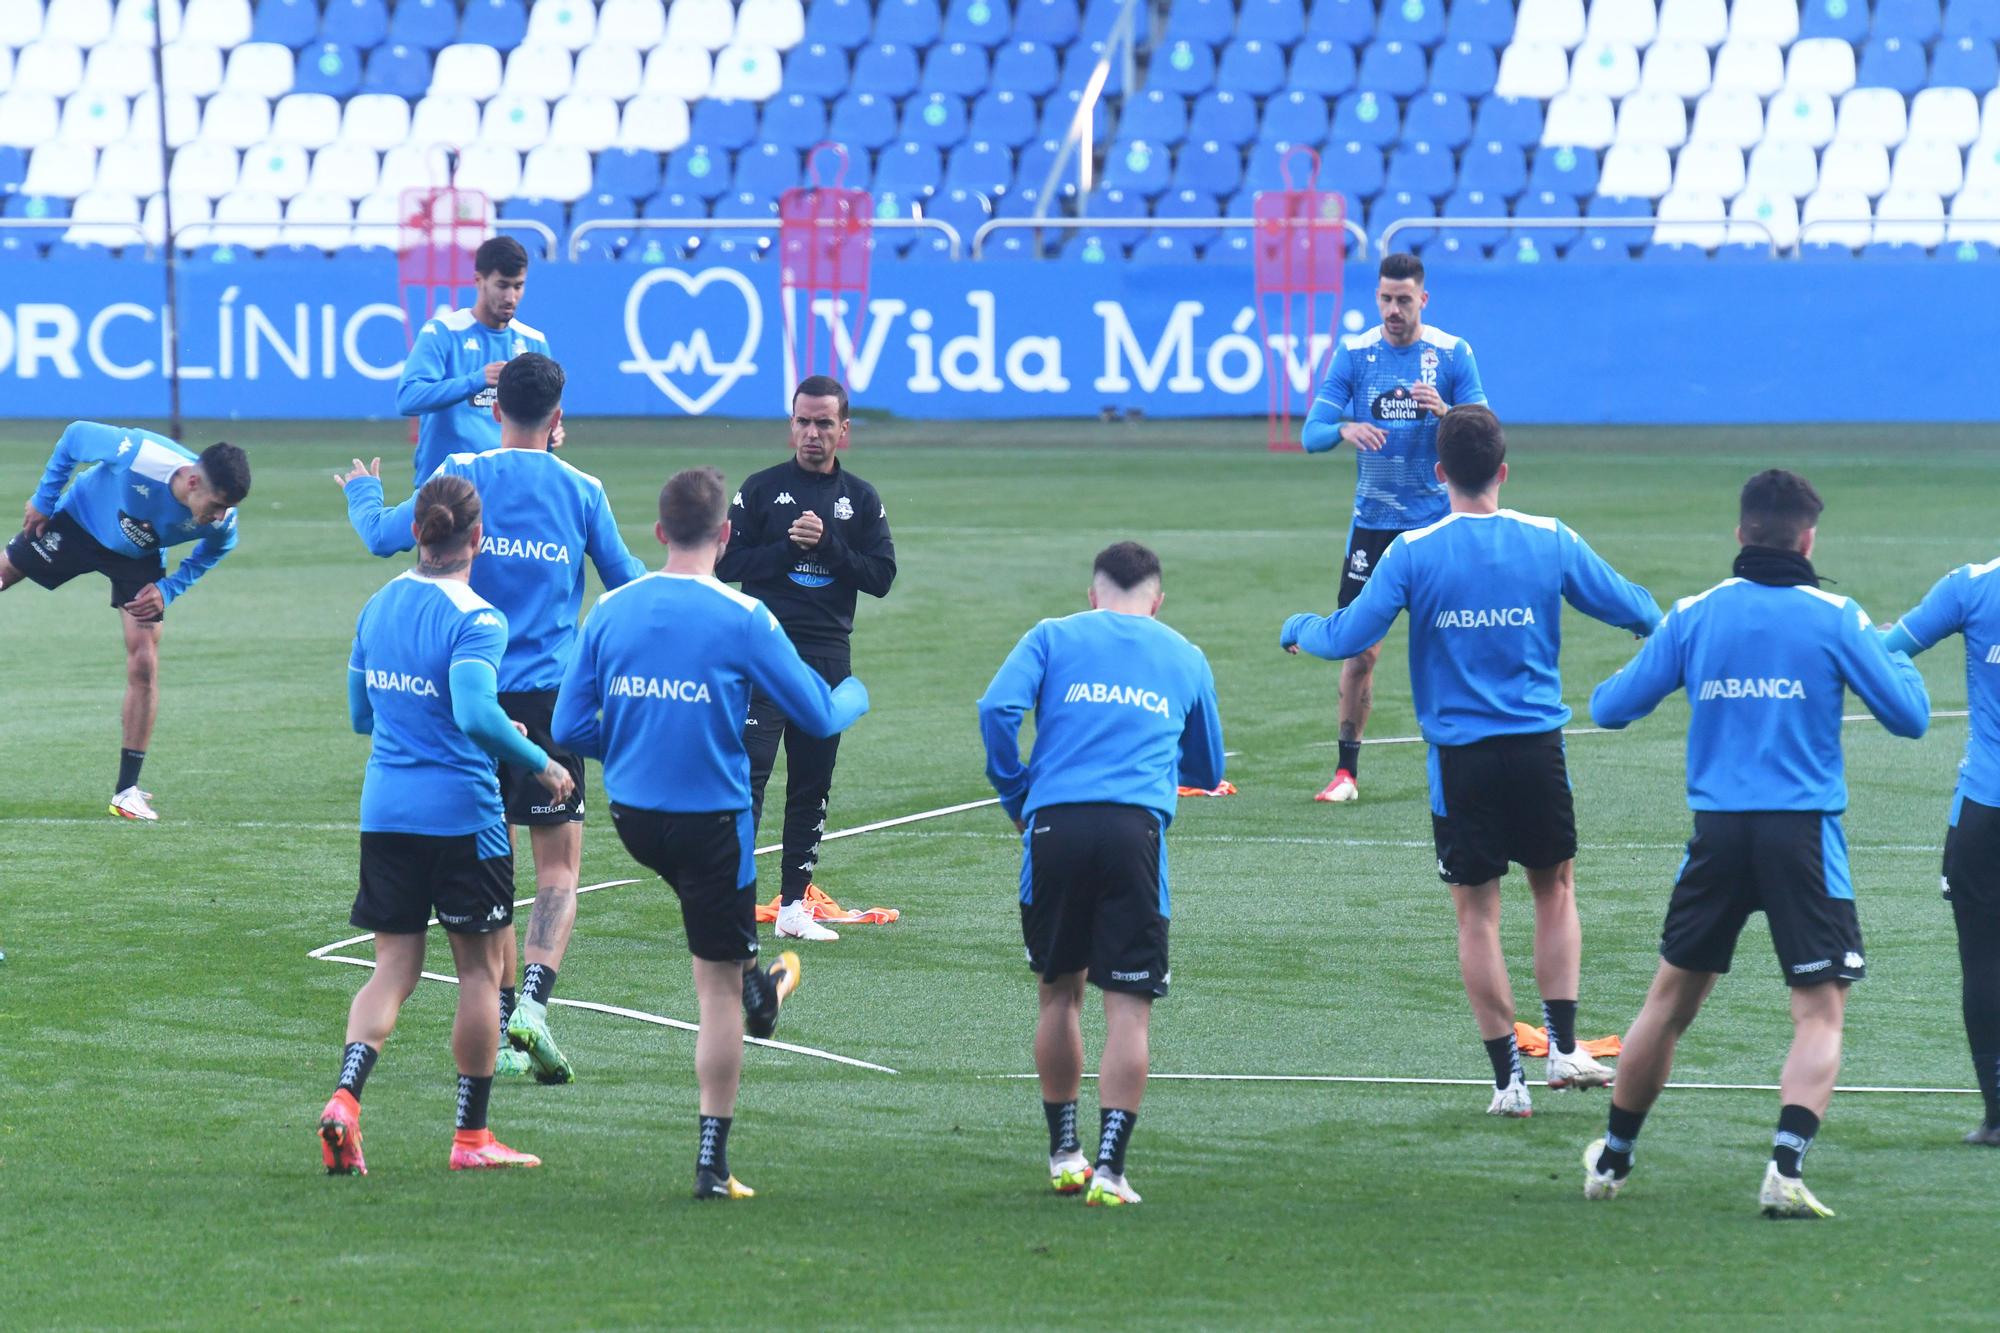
(453, 371)
(808, 535)
(657, 690)
(1124, 713)
(1965, 602)
(421, 685)
(1384, 394)
(1484, 587)
(145, 493)
(543, 516)
(1765, 657)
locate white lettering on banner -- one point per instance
(41, 334)
(658, 687)
(45, 332)
(1301, 375)
(1235, 342)
(256, 325)
(1122, 345)
(981, 346)
(1752, 687)
(94, 341)
(1485, 618)
(350, 340)
(1097, 692)
(978, 345)
(860, 366)
(694, 353)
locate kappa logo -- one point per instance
(472, 344)
(842, 509)
(486, 618)
(736, 501)
(141, 488)
(1853, 959)
(496, 913)
(784, 498)
(125, 446)
(692, 355)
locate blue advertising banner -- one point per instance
(1661, 343)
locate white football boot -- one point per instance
(1069, 1172)
(1599, 1184)
(134, 804)
(795, 922)
(1578, 1069)
(1787, 1196)
(1512, 1100)
(1109, 1191)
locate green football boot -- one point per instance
(528, 1030)
(510, 1063)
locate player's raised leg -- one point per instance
(141, 709)
(1059, 1066)
(399, 961)
(475, 1038)
(1121, 1086)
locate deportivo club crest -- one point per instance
(1429, 359)
(842, 509)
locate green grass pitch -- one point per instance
(165, 1043)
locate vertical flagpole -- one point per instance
(170, 340)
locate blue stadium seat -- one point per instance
(1966, 62)
(603, 208)
(840, 23)
(13, 169)
(1469, 68)
(1093, 247)
(549, 212)
(16, 246)
(910, 171)
(398, 68)
(792, 119)
(1620, 206)
(979, 165)
(1101, 16)
(1355, 169)
(1510, 120)
(497, 23)
(1253, 67)
(219, 254)
(978, 22)
(1325, 67)
(1234, 247)
(1002, 116)
(1894, 250)
(71, 251)
(1491, 22)
(1367, 118)
(1911, 20)
(696, 170)
(1079, 63)
(1184, 67)
(887, 71)
(1845, 19)
(937, 119)
(1893, 62)
(1452, 247)
(1165, 247)
(1060, 109)
(1673, 252)
(36, 206)
(1208, 167)
(1545, 204)
(892, 206)
(1031, 168)
(907, 23)
(1211, 22)
(1179, 204)
(290, 23)
(863, 122)
(358, 23)
(424, 23)
(816, 69)
(1028, 68)
(767, 171)
(1137, 167)
(629, 173)
(1972, 18)
(1439, 118)
(1281, 22)
(1394, 68)
(1231, 119)
(1497, 168)
(1819, 250)
(1748, 251)
(958, 68)
(1020, 202)
(1418, 168)
(723, 122)
(1010, 245)
(1154, 115)
(964, 211)
(1398, 207)
(328, 67)
(672, 204)
(1967, 252)
(1297, 117)
(741, 206)
(597, 247)
(1570, 171)
(1348, 21)
(746, 206)
(1419, 22)
(1475, 204)
(1525, 247)
(1050, 22)
(650, 248)
(1598, 247)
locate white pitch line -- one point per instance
(1474, 1082)
(1608, 731)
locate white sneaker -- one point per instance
(1599, 1184)
(1069, 1172)
(133, 804)
(1512, 1100)
(1578, 1069)
(795, 922)
(1109, 1191)
(1787, 1196)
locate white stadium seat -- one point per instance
(466, 69)
(1653, 118)
(1729, 115)
(133, 21)
(1532, 69)
(1756, 67)
(1820, 65)
(1929, 166)
(556, 171)
(1710, 168)
(444, 119)
(408, 167)
(608, 71)
(1766, 20)
(81, 22)
(1805, 118)
(48, 66)
(1975, 215)
(310, 120)
(708, 24)
(1873, 115)
(1700, 220)
(1635, 171)
(587, 120)
(678, 71)
(320, 220)
(1558, 21)
(132, 167)
(1910, 216)
(1579, 120)
(1982, 166)
(183, 121)
(1704, 21)
(747, 73)
(242, 219)
(192, 67)
(264, 68)
(188, 209)
(779, 24)
(220, 23)
(1778, 212)
(105, 217)
(569, 24)
(124, 68)
(517, 123)
(637, 24)
(1680, 68)
(20, 24)
(378, 121)
(1861, 167)
(376, 220)
(654, 121)
(1790, 169)
(1947, 114)
(94, 120)
(273, 168)
(1989, 109)
(347, 169)
(63, 170)
(1632, 22)
(1611, 68)
(7, 69)
(236, 119)
(1837, 216)
(538, 71)
(27, 119)
(492, 169)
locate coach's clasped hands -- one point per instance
(806, 531)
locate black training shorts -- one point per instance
(1094, 896)
(707, 860)
(466, 879)
(1364, 552)
(1791, 865)
(527, 800)
(1500, 800)
(1972, 857)
(66, 549)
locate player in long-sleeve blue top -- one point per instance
(453, 370)
(137, 494)
(542, 517)
(658, 690)
(1766, 658)
(1966, 602)
(1385, 393)
(1125, 713)
(421, 686)
(1485, 589)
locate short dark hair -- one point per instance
(1777, 508)
(693, 506)
(530, 389)
(1471, 447)
(447, 507)
(1400, 265)
(227, 469)
(822, 386)
(500, 254)
(1127, 564)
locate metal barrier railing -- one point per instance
(137, 230)
(582, 229)
(1349, 225)
(1397, 228)
(361, 229)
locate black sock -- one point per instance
(1350, 757)
(1796, 1127)
(128, 769)
(357, 1062)
(1062, 1127)
(1506, 1058)
(760, 1002)
(1979, 993)
(712, 1154)
(538, 982)
(1621, 1138)
(1114, 1138)
(473, 1094)
(506, 1011)
(1559, 1017)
